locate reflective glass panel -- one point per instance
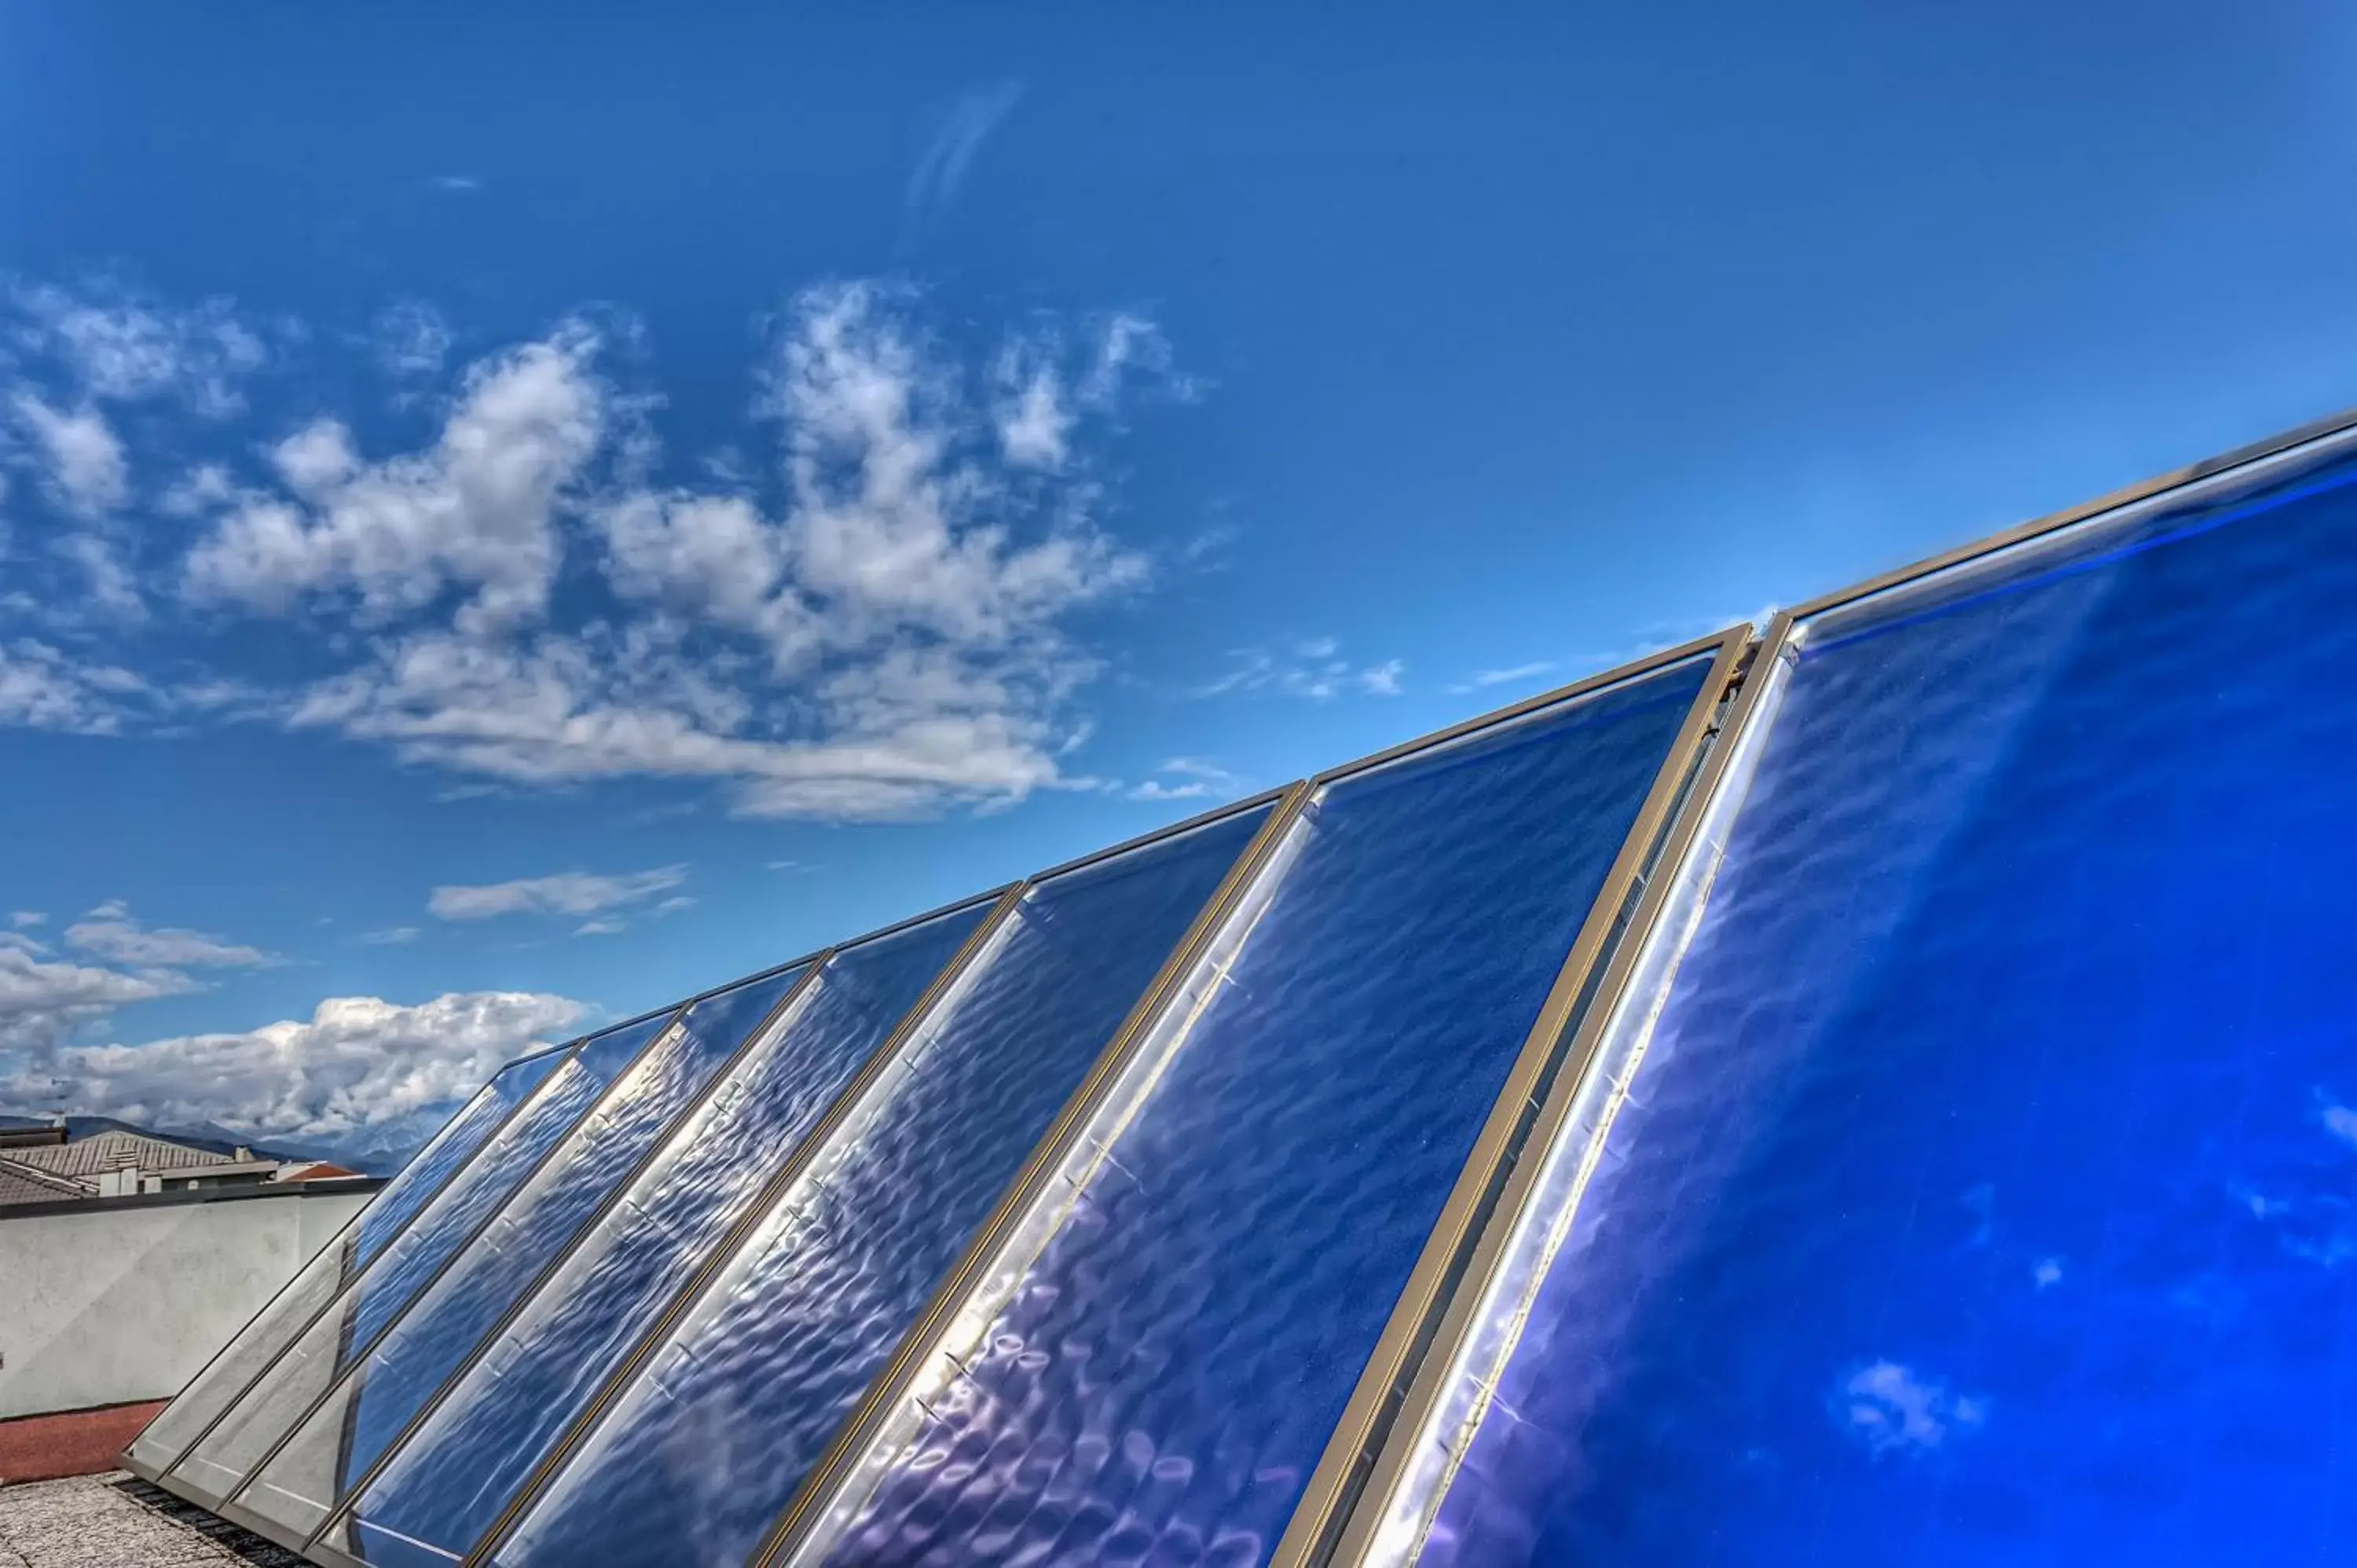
(1166, 1377)
(1986, 1193)
(444, 1485)
(249, 1355)
(386, 1389)
(787, 1341)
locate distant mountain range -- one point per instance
(379, 1152)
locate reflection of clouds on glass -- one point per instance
(2339, 1120)
(1893, 1409)
(2048, 1272)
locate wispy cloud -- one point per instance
(1187, 778)
(110, 934)
(942, 167)
(456, 184)
(22, 918)
(1481, 680)
(1314, 669)
(1892, 1409)
(566, 893)
(390, 936)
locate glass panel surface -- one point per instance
(250, 1354)
(1986, 1193)
(344, 1332)
(387, 1388)
(1165, 1378)
(784, 1345)
(444, 1487)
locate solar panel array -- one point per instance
(1876, 1088)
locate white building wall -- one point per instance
(116, 1301)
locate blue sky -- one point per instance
(512, 517)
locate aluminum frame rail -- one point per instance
(149, 1473)
(1447, 1399)
(1002, 902)
(783, 1008)
(180, 1486)
(1286, 803)
(843, 1481)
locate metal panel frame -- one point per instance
(1349, 1534)
(922, 1339)
(350, 1227)
(824, 1495)
(619, 1376)
(232, 1508)
(180, 1485)
(1355, 1537)
(1546, 1070)
(154, 1475)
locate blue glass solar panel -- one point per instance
(332, 1344)
(1989, 1193)
(379, 1395)
(444, 1487)
(1167, 1375)
(250, 1354)
(789, 1340)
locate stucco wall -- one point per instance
(116, 1300)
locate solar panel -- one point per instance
(1164, 1376)
(215, 1388)
(340, 1336)
(783, 1345)
(440, 1492)
(388, 1387)
(1982, 1192)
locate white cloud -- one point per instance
(673, 906)
(357, 1062)
(119, 347)
(941, 167)
(86, 469)
(412, 340)
(457, 183)
(568, 893)
(1312, 669)
(476, 511)
(1187, 778)
(881, 627)
(599, 927)
(781, 864)
(111, 934)
(2046, 1273)
(22, 918)
(2341, 1122)
(42, 1002)
(1481, 680)
(390, 936)
(1892, 1409)
(43, 687)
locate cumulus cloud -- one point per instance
(1893, 1409)
(43, 999)
(85, 467)
(1312, 669)
(358, 1062)
(476, 511)
(42, 687)
(568, 893)
(121, 347)
(878, 624)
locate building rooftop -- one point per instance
(94, 1521)
(30, 1183)
(104, 1151)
